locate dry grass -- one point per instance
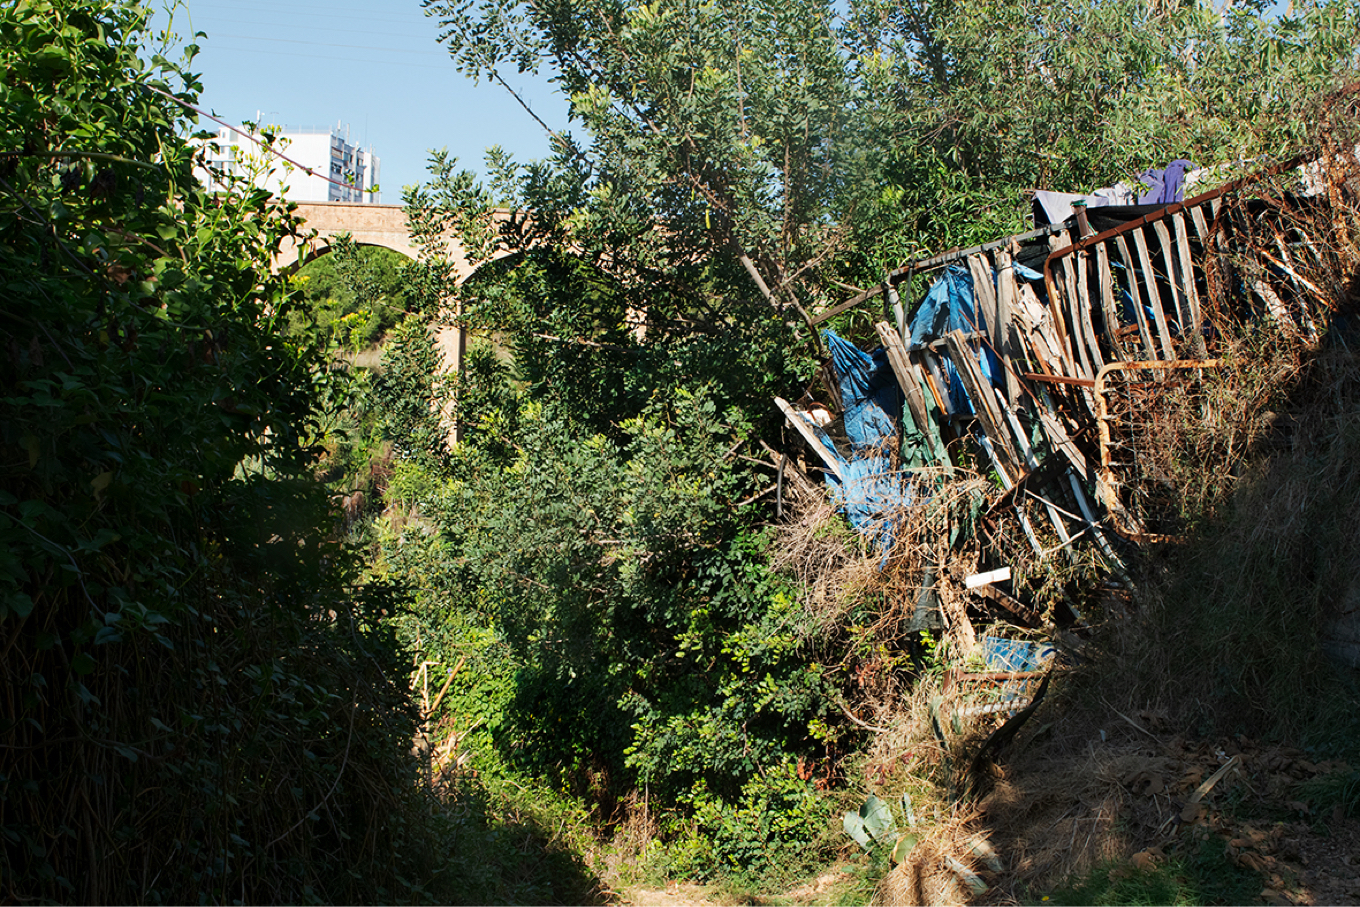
(929, 875)
(1059, 808)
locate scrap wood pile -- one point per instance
(1021, 418)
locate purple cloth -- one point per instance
(1164, 186)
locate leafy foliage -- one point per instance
(997, 98)
(355, 294)
(739, 166)
(826, 142)
(402, 394)
(199, 696)
(641, 638)
(725, 150)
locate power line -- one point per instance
(241, 132)
(397, 50)
(347, 31)
(335, 57)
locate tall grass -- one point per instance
(1230, 637)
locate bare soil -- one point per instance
(1132, 799)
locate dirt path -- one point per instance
(821, 890)
(675, 894)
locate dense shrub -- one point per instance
(200, 699)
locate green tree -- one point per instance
(198, 689)
(822, 141)
(727, 148)
(739, 165)
(355, 294)
(991, 99)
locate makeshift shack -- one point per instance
(1045, 360)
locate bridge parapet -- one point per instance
(370, 225)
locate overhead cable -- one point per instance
(241, 132)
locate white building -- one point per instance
(340, 171)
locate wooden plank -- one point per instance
(828, 314)
(1201, 226)
(1101, 542)
(1032, 466)
(1303, 283)
(800, 422)
(1173, 278)
(1056, 294)
(1195, 328)
(983, 579)
(1275, 305)
(1009, 477)
(979, 391)
(1154, 295)
(1056, 516)
(1007, 293)
(939, 344)
(1026, 616)
(984, 295)
(906, 375)
(1038, 331)
(935, 380)
(1107, 300)
(1073, 315)
(1149, 350)
(1084, 306)
(1058, 438)
(1051, 468)
(1286, 264)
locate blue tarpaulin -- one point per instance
(951, 306)
(1015, 654)
(870, 394)
(868, 489)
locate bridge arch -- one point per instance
(368, 225)
(384, 226)
(320, 250)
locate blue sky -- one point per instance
(376, 66)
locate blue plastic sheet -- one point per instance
(869, 489)
(1015, 654)
(870, 394)
(950, 305)
(869, 494)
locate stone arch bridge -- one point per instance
(385, 226)
(370, 225)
